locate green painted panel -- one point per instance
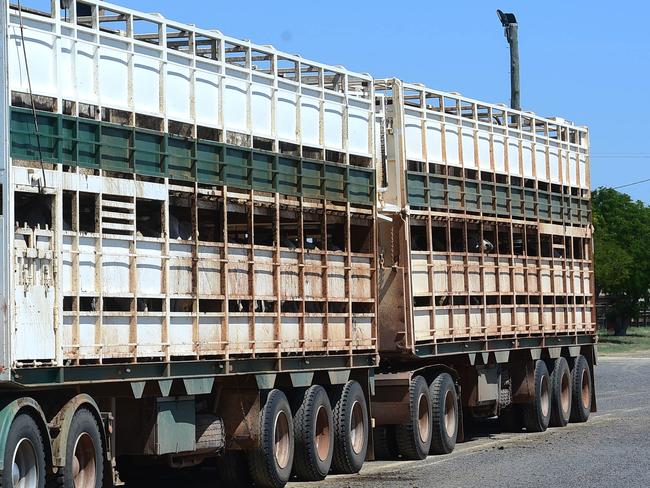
(416, 187)
(180, 158)
(488, 197)
(437, 192)
(148, 150)
(361, 186)
(335, 182)
(209, 163)
(263, 171)
(517, 197)
(472, 196)
(312, 179)
(455, 193)
(175, 426)
(237, 167)
(99, 145)
(116, 149)
(502, 200)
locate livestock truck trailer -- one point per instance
(213, 252)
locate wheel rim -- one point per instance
(282, 441)
(585, 390)
(357, 428)
(565, 394)
(450, 414)
(423, 417)
(24, 469)
(322, 438)
(84, 468)
(545, 399)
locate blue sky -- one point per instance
(588, 62)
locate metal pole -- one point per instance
(511, 31)
(513, 39)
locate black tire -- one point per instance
(271, 462)
(414, 437)
(581, 390)
(313, 427)
(385, 443)
(232, 468)
(350, 429)
(24, 432)
(85, 444)
(560, 393)
(445, 418)
(537, 413)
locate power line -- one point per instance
(631, 184)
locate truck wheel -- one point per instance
(560, 393)
(350, 429)
(271, 462)
(314, 431)
(24, 455)
(414, 437)
(581, 390)
(84, 455)
(385, 443)
(537, 413)
(444, 402)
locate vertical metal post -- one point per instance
(511, 31)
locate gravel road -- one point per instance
(611, 450)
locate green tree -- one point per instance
(622, 254)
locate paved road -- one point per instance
(611, 450)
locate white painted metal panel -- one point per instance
(469, 159)
(513, 157)
(413, 137)
(146, 80)
(113, 74)
(527, 158)
(358, 127)
(309, 120)
(235, 101)
(178, 86)
(85, 69)
(583, 172)
(573, 169)
(115, 266)
(484, 151)
(554, 165)
(499, 150)
(286, 111)
(41, 56)
(333, 123)
(262, 106)
(434, 141)
(540, 162)
(452, 144)
(206, 94)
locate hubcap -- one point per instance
(450, 414)
(322, 437)
(423, 417)
(357, 428)
(545, 398)
(84, 469)
(585, 389)
(24, 469)
(565, 395)
(282, 440)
